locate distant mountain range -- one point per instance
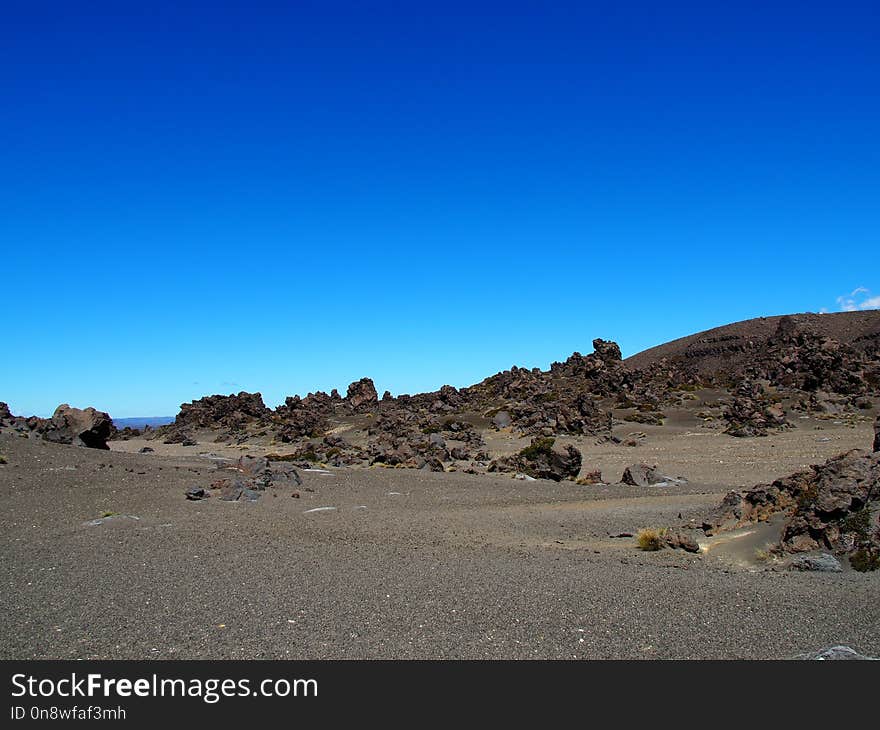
(153, 421)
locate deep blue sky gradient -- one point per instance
(285, 197)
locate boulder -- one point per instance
(823, 562)
(682, 540)
(80, 427)
(501, 420)
(877, 434)
(642, 475)
(238, 491)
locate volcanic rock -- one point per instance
(682, 539)
(642, 475)
(86, 427)
(542, 459)
(823, 562)
(230, 413)
(752, 413)
(362, 395)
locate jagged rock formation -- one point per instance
(229, 412)
(362, 395)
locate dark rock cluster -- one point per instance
(246, 479)
(79, 427)
(542, 459)
(752, 413)
(832, 506)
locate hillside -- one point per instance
(729, 349)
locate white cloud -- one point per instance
(857, 300)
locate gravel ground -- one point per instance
(408, 565)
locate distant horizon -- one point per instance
(283, 199)
(342, 388)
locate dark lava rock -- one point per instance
(87, 427)
(238, 491)
(146, 450)
(362, 395)
(432, 463)
(752, 413)
(823, 562)
(230, 411)
(831, 506)
(642, 475)
(174, 436)
(260, 473)
(197, 493)
(682, 540)
(542, 459)
(591, 477)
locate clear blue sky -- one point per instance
(213, 197)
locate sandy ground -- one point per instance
(408, 564)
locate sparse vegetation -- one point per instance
(858, 522)
(109, 514)
(538, 447)
(3, 459)
(865, 560)
(649, 539)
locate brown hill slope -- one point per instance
(730, 349)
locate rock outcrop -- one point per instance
(542, 459)
(229, 413)
(829, 507)
(80, 427)
(362, 395)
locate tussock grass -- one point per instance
(649, 538)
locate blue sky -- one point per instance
(285, 197)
